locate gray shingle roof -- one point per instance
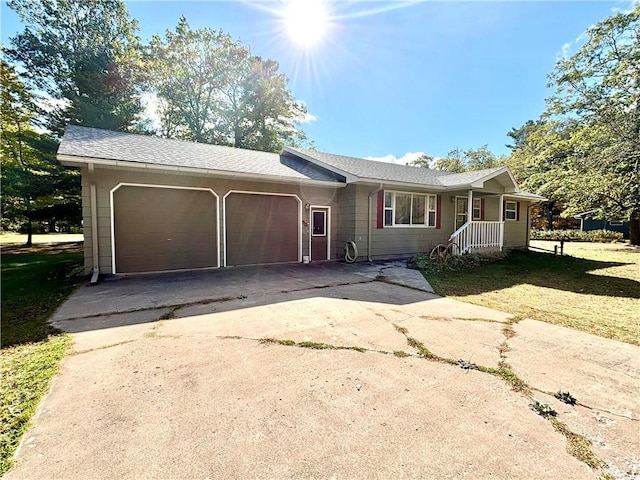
(372, 169)
(108, 145)
(294, 164)
(392, 172)
(466, 178)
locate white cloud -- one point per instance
(307, 118)
(565, 53)
(403, 160)
(633, 4)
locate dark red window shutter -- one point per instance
(438, 210)
(504, 210)
(482, 209)
(381, 209)
(517, 211)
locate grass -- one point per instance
(311, 345)
(34, 282)
(594, 287)
(580, 447)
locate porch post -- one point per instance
(93, 209)
(501, 220)
(470, 206)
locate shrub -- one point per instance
(577, 235)
(458, 262)
(604, 236)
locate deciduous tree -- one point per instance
(585, 149)
(211, 89)
(34, 185)
(84, 57)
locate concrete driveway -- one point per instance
(324, 371)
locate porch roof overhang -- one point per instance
(503, 176)
(526, 196)
(517, 194)
(81, 161)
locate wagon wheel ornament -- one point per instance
(453, 250)
(442, 252)
(439, 253)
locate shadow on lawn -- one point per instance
(35, 280)
(566, 273)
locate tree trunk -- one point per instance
(29, 233)
(550, 215)
(52, 225)
(29, 224)
(634, 227)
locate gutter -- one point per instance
(370, 222)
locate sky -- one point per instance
(392, 80)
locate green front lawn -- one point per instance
(595, 287)
(34, 282)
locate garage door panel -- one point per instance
(164, 229)
(261, 229)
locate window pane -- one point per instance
(417, 210)
(319, 223)
(403, 209)
(387, 199)
(432, 202)
(432, 219)
(388, 217)
(477, 209)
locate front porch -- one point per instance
(478, 236)
(473, 232)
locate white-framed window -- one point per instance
(510, 210)
(477, 209)
(409, 209)
(319, 223)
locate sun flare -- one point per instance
(306, 21)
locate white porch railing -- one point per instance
(476, 236)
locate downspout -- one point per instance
(369, 212)
(93, 207)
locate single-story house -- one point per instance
(154, 204)
(589, 222)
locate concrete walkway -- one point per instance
(322, 371)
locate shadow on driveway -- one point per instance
(133, 299)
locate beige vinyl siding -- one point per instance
(491, 208)
(346, 212)
(107, 179)
(516, 232)
(493, 186)
(401, 241)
